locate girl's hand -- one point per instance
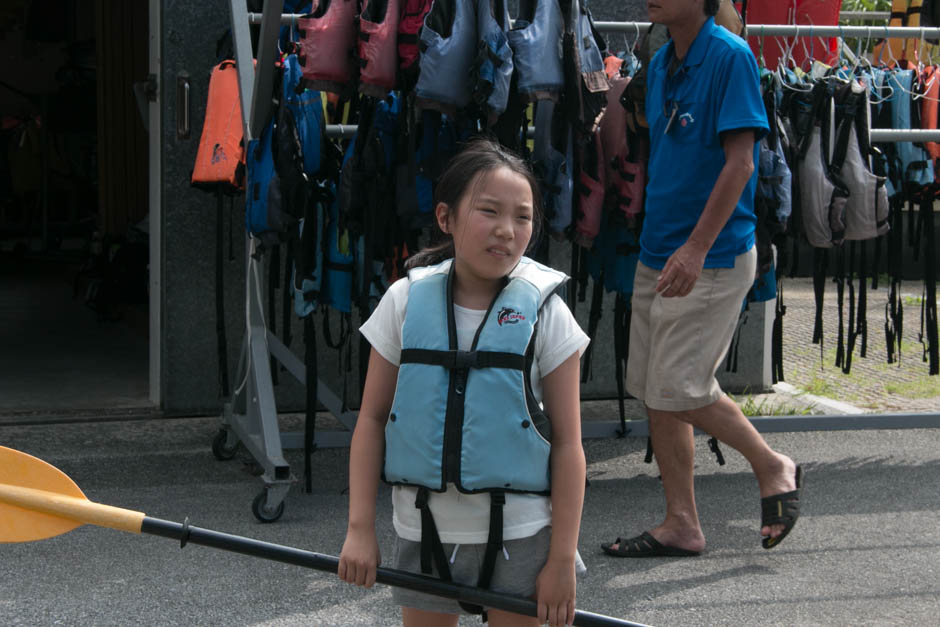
(359, 558)
(555, 590)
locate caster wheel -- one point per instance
(220, 450)
(263, 515)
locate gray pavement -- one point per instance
(864, 552)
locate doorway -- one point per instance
(74, 223)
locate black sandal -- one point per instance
(645, 545)
(781, 509)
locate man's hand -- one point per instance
(682, 270)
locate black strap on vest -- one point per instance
(623, 314)
(463, 360)
(433, 549)
(929, 307)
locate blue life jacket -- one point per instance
(535, 40)
(448, 45)
(915, 164)
(492, 70)
(307, 281)
(336, 291)
(262, 202)
(553, 168)
(469, 417)
(306, 109)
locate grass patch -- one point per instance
(766, 407)
(922, 387)
(820, 386)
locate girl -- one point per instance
(464, 350)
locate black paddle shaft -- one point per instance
(388, 576)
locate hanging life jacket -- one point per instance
(328, 45)
(263, 214)
(914, 164)
(534, 39)
(590, 192)
(903, 13)
(220, 159)
(625, 173)
(307, 273)
(448, 46)
(491, 72)
(378, 47)
(586, 82)
(553, 168)
(411, 17)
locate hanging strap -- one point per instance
(622, 316)
(930, 286)
(776, 343)
(221, 343)
(310, 412)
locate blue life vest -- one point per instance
(448, 44)
(469, 417)
(915, 164)
(535, 40)
(553, 168)
(306, 109)
(262, 196)
(306, 285)
(492, 70)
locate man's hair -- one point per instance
(711, 6)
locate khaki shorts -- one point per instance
(677, 344)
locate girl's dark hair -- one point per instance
(479, 156)
(711, 6)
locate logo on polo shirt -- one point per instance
(686, 119)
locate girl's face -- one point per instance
(492, 225)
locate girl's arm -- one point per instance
(360, 555)
(555, 586)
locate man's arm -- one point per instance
(684, 267)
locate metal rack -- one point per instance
(251, 415)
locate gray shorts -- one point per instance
(514, 576)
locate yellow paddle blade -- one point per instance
(25, 471)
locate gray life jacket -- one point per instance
(448, 45)
(469, 417)
(535, 40)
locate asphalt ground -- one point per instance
(865, 552)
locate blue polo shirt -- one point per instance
(716, 89)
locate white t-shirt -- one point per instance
(465, 518)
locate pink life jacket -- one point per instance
(590, 188)
(626, 176)
(327, 45)
(378, 47)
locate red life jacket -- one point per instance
(221, 155)
(378, 47)
(327, 45)
(625, 173)
(411, 18)
(590, 188)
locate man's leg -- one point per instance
(674, 450)
(723, 419)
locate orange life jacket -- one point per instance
(220, 159)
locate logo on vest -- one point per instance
(508, 315)
(685, 119)
(218, 154)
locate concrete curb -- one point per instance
(823, 404)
